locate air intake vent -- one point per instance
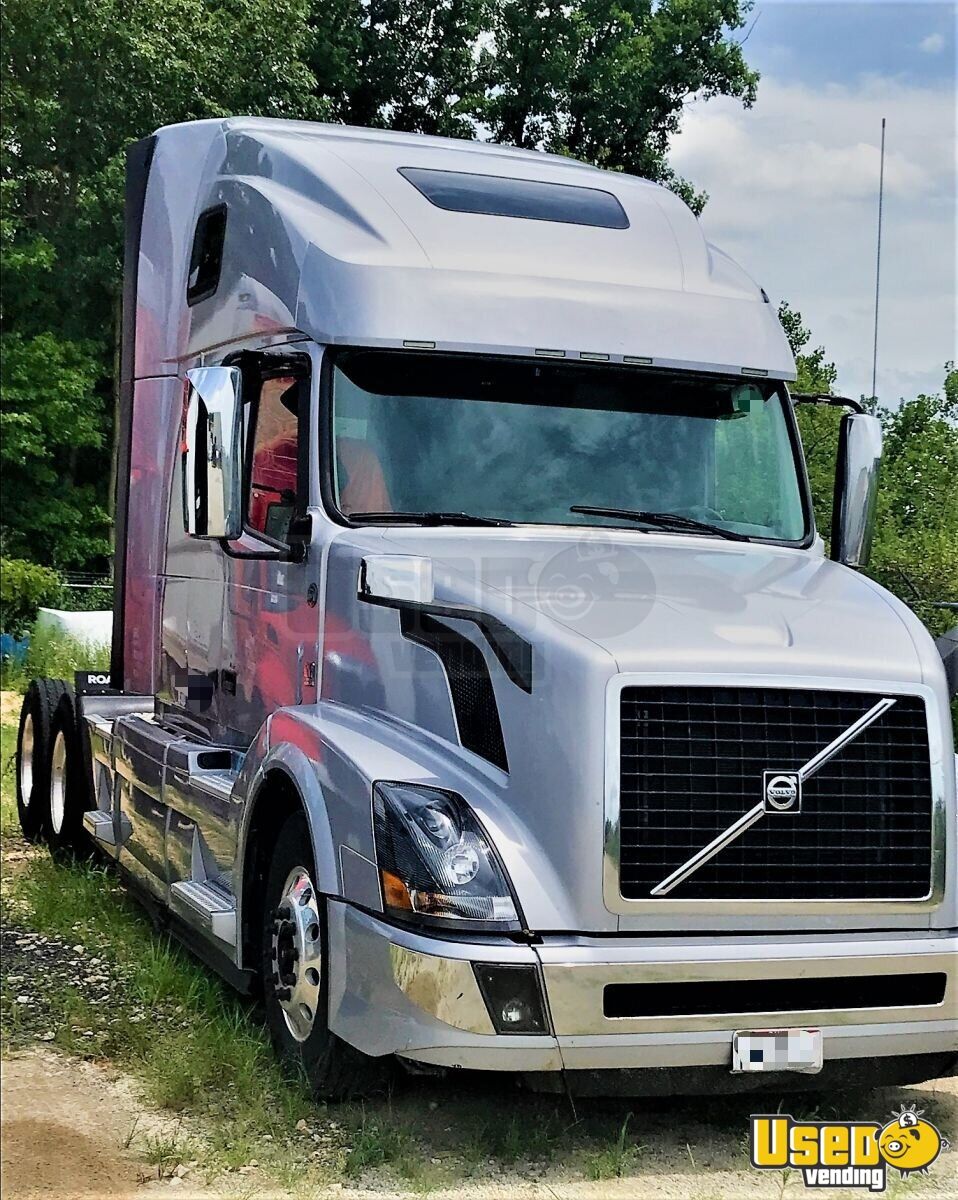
(773, 995)
(473, 697)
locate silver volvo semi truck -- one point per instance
(481, 692)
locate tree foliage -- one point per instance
(915, 551)
(916, 543)
(25, 587)
(818, 425)
(606, 80)
(400, 64)
(602, 80)
(80, 82)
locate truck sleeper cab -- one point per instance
(481, 691)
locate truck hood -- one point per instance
(659, 602)
(591, 604)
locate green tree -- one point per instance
(53, 420)
(80, 82)
(399, 64)
(818, 425)
(607, 80)
(915, 551)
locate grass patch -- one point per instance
(201, 1051)
(615, 1160)
(166, 1152)
(9, 826)
(374, 1144)
(54, 655)
(525, 1136)
(196, 1046)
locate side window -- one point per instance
(206, 257)
(272, 438)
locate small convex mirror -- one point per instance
(212, 453)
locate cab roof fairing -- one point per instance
(326, 237)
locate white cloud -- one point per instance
(793, 187)
(934, 43)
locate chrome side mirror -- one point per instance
(856, 489)
(212, 453)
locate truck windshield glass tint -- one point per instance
(524, 441)
(492, 195)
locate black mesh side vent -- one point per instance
(473, 698)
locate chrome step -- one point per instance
(99, 825)
(207, 907)
(216, 783)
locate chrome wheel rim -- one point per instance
(58, 782)
(296, 954)
(26, 761)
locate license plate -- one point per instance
(777, 1050)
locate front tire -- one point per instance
(33, 754)
(295, 956)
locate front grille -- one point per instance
(826, 994)
(692, 762)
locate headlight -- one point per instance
(435, 862)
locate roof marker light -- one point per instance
(637, 361)
(411, 345)
(754, 371)
(592, 356)
(550, 353)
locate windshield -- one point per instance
(526, 441)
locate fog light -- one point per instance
(513, 997)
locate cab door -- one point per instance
(270, 619)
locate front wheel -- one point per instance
(295, 950)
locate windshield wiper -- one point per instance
(428, 518)
(662, 520)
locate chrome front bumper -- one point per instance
(395, 992)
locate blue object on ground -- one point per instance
(13, 648)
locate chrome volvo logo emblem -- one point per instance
(782, 791)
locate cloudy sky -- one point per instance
(793, 181)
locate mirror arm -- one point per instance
(825, 398)
(270, 555)
(298, 536)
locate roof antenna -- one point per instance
(881, 192)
